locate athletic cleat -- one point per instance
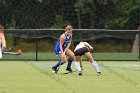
(55, 70)
(69, 69)
(80, 73)
(99, 74)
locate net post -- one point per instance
(139, 42)
(36, 49)
(139, 33)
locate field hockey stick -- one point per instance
(81, 64)
(12, 53)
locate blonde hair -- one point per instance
(68, 27)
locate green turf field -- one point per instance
(37, 77)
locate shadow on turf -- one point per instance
(67, 72)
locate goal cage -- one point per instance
(38, 44)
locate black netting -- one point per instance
(78, 34)
(38, 44)
(81, 14)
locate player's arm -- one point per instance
(3, 41)
(88, 45)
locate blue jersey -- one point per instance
(57, 46)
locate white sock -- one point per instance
(0, 54)
(77, 65)
(95, 65)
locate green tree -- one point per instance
(110, 14)
(124, 11)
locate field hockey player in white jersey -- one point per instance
(84, 48)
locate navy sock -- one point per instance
(69, 62)
(57, 64)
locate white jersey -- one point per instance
(80, 45)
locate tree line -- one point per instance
(81, 14)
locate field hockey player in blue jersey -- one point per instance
(62, 49)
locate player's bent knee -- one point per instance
(64, 61)
(72, 56)
(90, 60)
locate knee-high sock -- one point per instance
(58, 64)
(69, 62)
(95, 65)
(0, 53)
(77, 65)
